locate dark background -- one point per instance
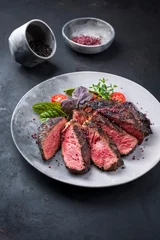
(34, 207)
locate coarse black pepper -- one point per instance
(40, 48)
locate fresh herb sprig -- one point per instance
(103, 90)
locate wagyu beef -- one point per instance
(125, 115)
(125, 142)
(104, 153)
(49, 136)
(75, 148)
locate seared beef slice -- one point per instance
(140, 117)
(104, 153)
(75, 148)
(125, 142)
(80, 116)
(125, 115)
(49, 136)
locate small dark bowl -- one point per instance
(91, 27)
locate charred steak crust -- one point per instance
(111, 143)
(128, 123)
(91, 125)
(116, 165)
(45, 128)
(84, 149)
(125, 115)
(98, 103)
(144, 121)
(125, 142)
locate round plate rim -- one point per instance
(62, 181)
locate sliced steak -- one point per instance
(104, 153)
(81, 116)
(125, 142)
(140, 117)
(49, 136)
(125, 115)
(99, 103)
(75, 148)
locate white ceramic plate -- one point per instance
(23, 126)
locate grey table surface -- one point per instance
(34, 207)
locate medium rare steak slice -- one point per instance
(75, 148)
(49, 136)
(125, 115)
(125, 142)
(125, 121)
(81, 116)
(104, 153)
(140, 117)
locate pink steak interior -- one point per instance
(52, 141)
(71, 150)
(124, 142)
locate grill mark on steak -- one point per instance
(75, 148)
(104, 153)
(125, 115)
(49, 136)
(125, 142)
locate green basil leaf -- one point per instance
(43, 106)
(48, 114)
(43, 119)
(60, 112)
(56, 112)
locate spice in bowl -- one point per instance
(86, 40)
(40, 48)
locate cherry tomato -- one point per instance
(58, 98)
(119, 97)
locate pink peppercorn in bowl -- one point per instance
(88, 35)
